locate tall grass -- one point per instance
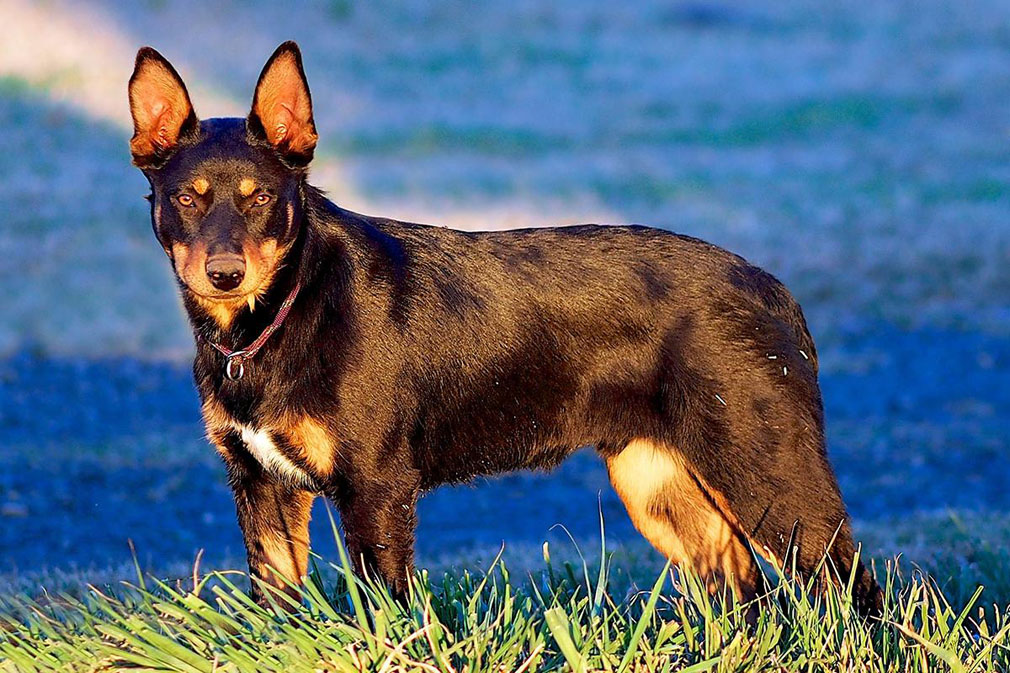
(561, 618)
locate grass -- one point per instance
(567, 617)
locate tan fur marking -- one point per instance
(722, 505)
(246, 186)
(315, 443)
(226, 454)
(201, 185)
(268, 249)
(180, 255)
(279, 557)
(287, 551)
(671, 509)
(262, 264)
(222, 312)
(217, 421)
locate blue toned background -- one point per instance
(859, 153)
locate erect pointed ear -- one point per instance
(282, 107)
(162, 112)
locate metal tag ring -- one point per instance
(229, 368)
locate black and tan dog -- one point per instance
(368, 360)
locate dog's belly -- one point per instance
(456, 464)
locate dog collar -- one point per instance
(234, 366)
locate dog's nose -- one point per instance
(226, 271)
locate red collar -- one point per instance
(239, 357)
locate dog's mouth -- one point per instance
(219, 297)
(230, 299)
(223, 307)
(258, 270)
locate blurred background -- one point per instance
(858, 151)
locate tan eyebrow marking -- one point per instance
(201, 186)
(247, 186)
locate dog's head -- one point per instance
(225, 192)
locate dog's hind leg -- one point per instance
(672, 509)
(771, 476)
(738, 400)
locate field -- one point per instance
(858, 152)
(558, 619)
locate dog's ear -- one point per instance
(162, 112)
(282, 107)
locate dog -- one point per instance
(369, 360)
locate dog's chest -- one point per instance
(262, 445)
(291, 446)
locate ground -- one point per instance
(857, 152)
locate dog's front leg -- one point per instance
(274, 519)
(379, 519)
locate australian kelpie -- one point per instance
(369, 360)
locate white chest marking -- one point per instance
(262, 448)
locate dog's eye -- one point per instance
(262, 200)
(185, 200)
